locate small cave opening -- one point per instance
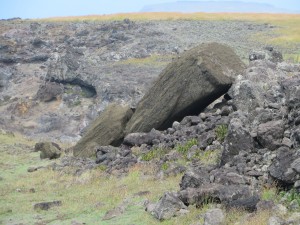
(88, 91)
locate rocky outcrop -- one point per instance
(107, 129)
(186, 87)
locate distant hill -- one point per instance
(210, 6)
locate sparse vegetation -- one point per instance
(153, 154)
(221, 132)
(165, 166)
(183, 149)
(289, 196)
(269, 193)
(209, 157)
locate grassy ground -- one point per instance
(87, 198)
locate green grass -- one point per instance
(269, 194)
(85, 198)
(290, 196)
(209, 157)
(154, 154)
(221, 132)
(183, 149)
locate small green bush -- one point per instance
(290, 196)
(269, 194)
(154, 153)
(183, 149)
(209, 157)
(221, 132)
(165, 166)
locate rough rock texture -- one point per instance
(108, 129)
(168, 206)
(284, 167)
(270, 134)
(238, 139)
(186, 86)
(214, 217)
(48, 150)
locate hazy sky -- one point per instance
(52, 8)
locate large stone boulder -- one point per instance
(107, 129)
(186, 87)
(49, 150)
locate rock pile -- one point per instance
(248, 139)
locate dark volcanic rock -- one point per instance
(281, 169)
(248, 204)
(186, 87)
(107, 129)
(214, 193)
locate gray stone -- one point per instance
(287, 142)
(168, 206)
(296, 165)
(294, 218)
(49, 91)
(238, 139)
(137, 139)
(214, 217)
(220, 193)
(270, 134)
(194, 178)
(280, 169)
(275, 221)
(49, 150)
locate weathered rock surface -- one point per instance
(238, 139)
(48, 150)
(107, 129)
(168, 206)
(186, 87)
(214, 217)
